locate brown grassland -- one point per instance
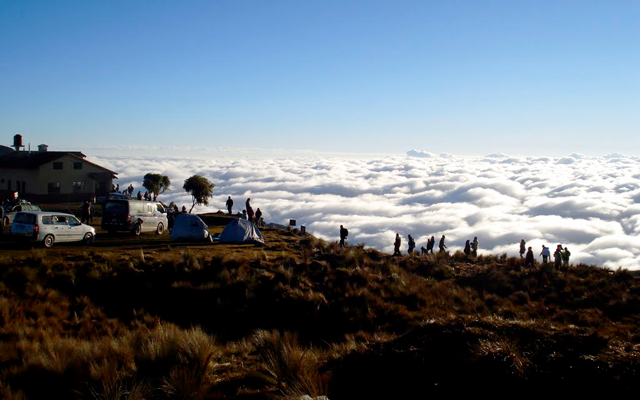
(145, 318)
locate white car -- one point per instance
(50, 227)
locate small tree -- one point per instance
(200, 189)
(156, 183)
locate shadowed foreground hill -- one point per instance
(304, 317)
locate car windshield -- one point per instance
(24, 218)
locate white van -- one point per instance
(50, 227)
(135, 216)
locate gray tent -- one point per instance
(241, 231)
(189, 227)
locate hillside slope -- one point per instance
(302, 316)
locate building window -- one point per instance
(57, 165)
(77, 165)
(78, 186)
(53, 188)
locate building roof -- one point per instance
(5, 150)
(34, 159)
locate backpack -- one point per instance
(346, 232)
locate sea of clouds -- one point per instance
(589, 204)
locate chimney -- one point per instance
(42, 148)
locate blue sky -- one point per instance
(464, 77)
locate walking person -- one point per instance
(442, 245)
(229, 205)
(396, 245)
(412, 244)
(474, 246)
(523, 245)
(546, 254)
(343, 236)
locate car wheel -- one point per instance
(48, 241)
(137, 230)
(160, 228)
(5, 221)
(88, 238)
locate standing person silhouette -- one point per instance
(523, 249)
(396, 245)
(229, 205)
(343, 235)
(474, 246)
(249, 210)
(528, 262)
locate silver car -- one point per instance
(50, 227)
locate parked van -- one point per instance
(135, 216)
(50, 228)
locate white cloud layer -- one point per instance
(589, 204)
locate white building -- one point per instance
(51, 175)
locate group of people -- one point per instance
(248, 213)
(430, 245)
(172, 214)
(128, 191)
(561, 256)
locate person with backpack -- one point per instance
(343, 235)
(523, 249)
(545, 253)
(396, 245)
(412, 244)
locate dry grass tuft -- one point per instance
(288, 368)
